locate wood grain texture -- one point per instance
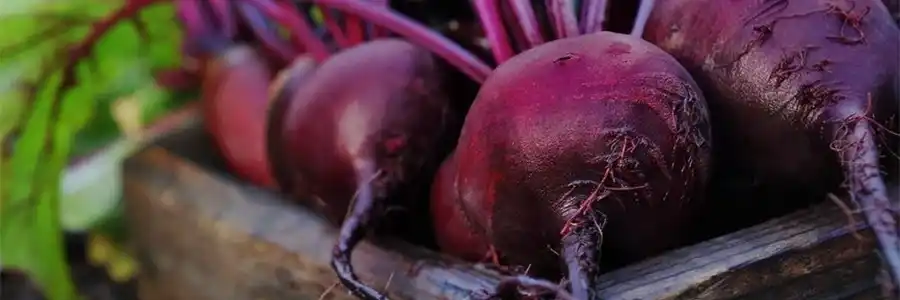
(204, 236)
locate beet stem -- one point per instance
(303, 35)
(334, 28)
(527, 22)
(489, 15)
(860, 156)
(594, 15)
(509, 286)
(563, 15)
(467, 62)
(222, 10)
(516, 35)
(84, 48)
(354, 29)
(643, 15)
(189, 15)
(258, 24)
(378, 32)
(360, 216)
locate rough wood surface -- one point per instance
(203, 236)
(809, 255)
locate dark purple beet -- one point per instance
(600, 139)
(802, 94)
(369, 119)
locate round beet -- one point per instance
(234, 84)
(458, 236)
(803, 94)
(281, 91)
(596, 139)
(370, 119)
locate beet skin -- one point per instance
(458, 236)
(369, 120)
(802, 94)
(235, 82)
(600, 138)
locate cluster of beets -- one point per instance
(580, 139)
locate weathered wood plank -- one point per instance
(204, 236)
(816, 244)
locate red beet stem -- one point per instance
(528, 22)
(563, 18)
(334, 29)
(191, 19)
(128, 10)
(859, 154)
(257, 22)
(222, 10)
(285, 14)
(643, 15)
(594, 12)
(354, 29)
(514, 29)
(467, 62)
(353, 230)
(489, 15)
(378, 31)
(84, 48)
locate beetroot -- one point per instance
(281, 91)
(234, 110)
(458, 235)
(601, 138)
(366, 122)
(802, 93)
(234, 77)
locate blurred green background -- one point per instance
(62, 143)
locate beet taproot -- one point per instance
(583, 141)
(369, 119)
(802, 93)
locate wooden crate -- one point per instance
(204, 236)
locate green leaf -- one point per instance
(92, 188)
(30, 236)
(12, 107)
(31, 211)
(164, 28)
